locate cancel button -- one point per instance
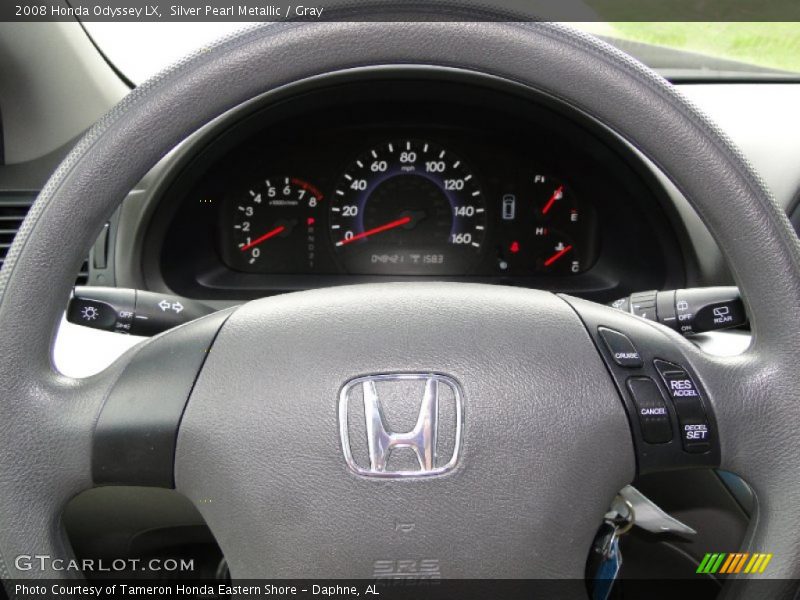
(651, 409)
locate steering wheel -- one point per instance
(242, 411)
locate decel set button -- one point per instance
(695, 430)
(651, 409)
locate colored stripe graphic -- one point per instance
(702, 567)
(727, 564)
(711, 563)
(752, 563)
(740, 564)
(718, 562)
(765, 562)
(738, 558)
(735, 562)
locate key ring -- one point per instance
(630, 518)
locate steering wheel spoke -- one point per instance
(134, 440)
(670, 412)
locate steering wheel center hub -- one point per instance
(442, 422)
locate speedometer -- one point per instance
(408, 207)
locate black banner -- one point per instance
(390, 10)
(699, 587)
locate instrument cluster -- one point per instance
(409, 206)
(407, 180)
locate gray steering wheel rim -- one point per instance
(47, 465)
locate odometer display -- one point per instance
(408, 207)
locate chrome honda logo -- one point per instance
(435, 439)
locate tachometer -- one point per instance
(408, 207)
(272, 226)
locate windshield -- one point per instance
(721, 48)
(676, 50)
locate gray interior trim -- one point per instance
(32, 175)
(73, 87)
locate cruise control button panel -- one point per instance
(671, 421)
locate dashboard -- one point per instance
(409, 177)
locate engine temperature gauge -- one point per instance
(556, 253)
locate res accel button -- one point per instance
(679, 384)
(621, 348)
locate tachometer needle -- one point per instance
(374, 230)
(557, 255)
(557, 195)
(263, 238)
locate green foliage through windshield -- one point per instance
(771, 45)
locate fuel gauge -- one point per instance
(554, 201)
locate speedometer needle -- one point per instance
(557, 255)
(374, 230)
(263, 238)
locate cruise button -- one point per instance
(621, 348)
